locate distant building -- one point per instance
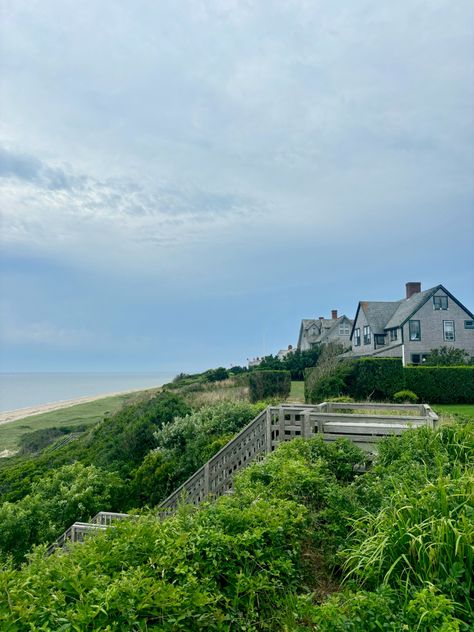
(281, 355)
(411, 327)
(323, 330)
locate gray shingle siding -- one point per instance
(419, 307)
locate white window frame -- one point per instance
(447, 333)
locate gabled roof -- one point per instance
(378, 313)
(383, 315)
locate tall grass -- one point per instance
(423, 537)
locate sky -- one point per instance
(183, 182)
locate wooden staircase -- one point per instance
(363, 423)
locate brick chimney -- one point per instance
(334, 314)
(413, 287)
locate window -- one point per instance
(469, 324)
(344, 329)
(379, 339)
(393, 334)
(440, 302)
(418, 358)
(357, 337)
(367, 335)
(448, 330)
(414, 330)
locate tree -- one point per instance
(446, 356)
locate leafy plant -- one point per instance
(405, 397)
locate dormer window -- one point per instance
(440, 302)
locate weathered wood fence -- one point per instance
(363, 423)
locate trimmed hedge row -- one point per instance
(264, 384)
(381, 378)
(441, 384)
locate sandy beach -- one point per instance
(22, 413)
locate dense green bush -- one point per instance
(264, 557)
(267, 384)
(375, 378)
(184, 445)
(71, 493)
(446, 356)
(35, 441)
(296, 362)
(441, 385)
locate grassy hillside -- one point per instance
(303, 543)
(81, 414)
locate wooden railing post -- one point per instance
(268, 430)
(281, 424)
(206, 479)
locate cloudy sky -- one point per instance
(182, 182)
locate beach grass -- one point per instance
(87, 413)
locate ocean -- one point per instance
(20, 390)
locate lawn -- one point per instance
(461, 410)
(297, 392)
(88, 413)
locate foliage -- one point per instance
(184, 445)
(423, 537)
(267, 384)
(34, 442)
(328, 378)
(405, 396)
(444, 385)
(117, 444)
(216, 375)
(243, 562)
(71, 493)
(446, 356)
(376, 378)
(296, 362)
(379, 378)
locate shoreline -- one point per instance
(8, 416)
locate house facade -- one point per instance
(411, 327)
(323, 330)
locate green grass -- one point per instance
(463, 410)
(88, 413)
(297, 392)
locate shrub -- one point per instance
(376, 378)
(446, 356)
(405, 397)
(441, 385)
(266, 384)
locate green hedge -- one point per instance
(264, 384)
(377, 378)
(441, 384)
(380, 378)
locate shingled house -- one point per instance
(411, 327)
(323, 330)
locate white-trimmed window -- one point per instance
(414, 330)
(393, 334)
(448, 330)
(367, 335)
(357, 337)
